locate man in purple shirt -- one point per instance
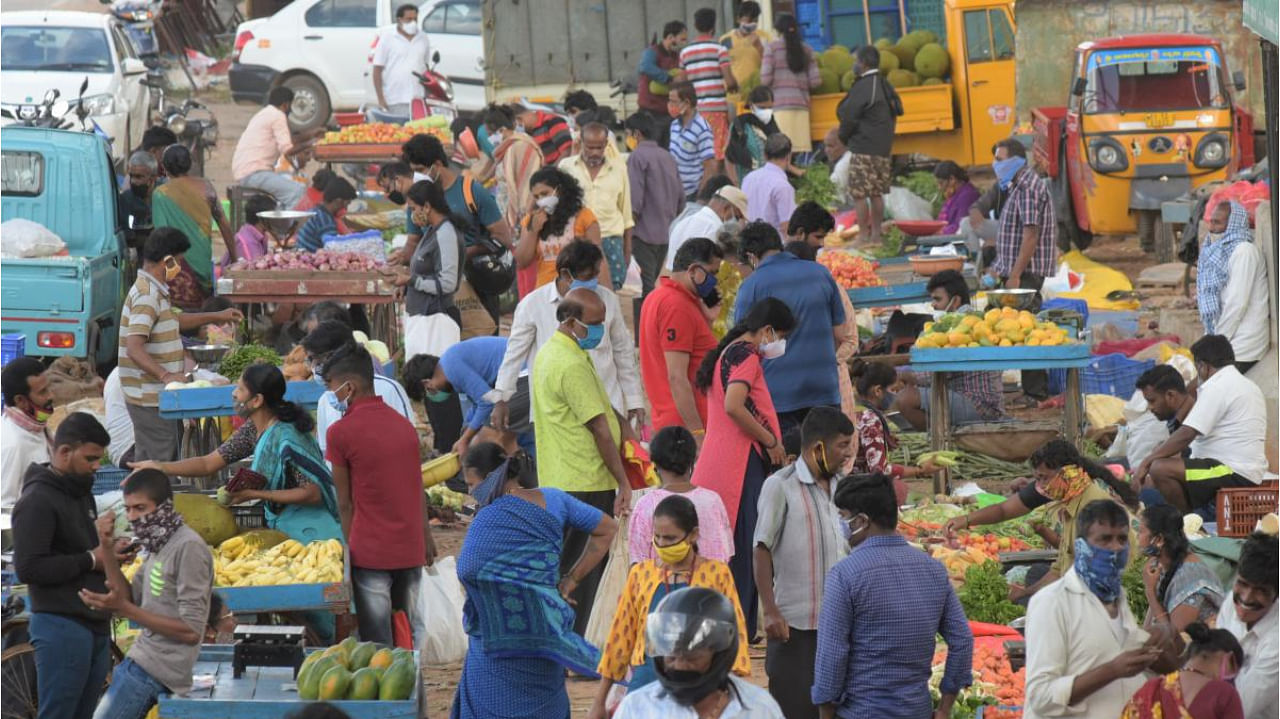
(656, 197)
(770, 195)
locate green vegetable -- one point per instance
(235, 361)
(1135, 590)
(816, 185)
(985, 595)
(924, 184)
(891, 245)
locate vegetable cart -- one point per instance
(943, 361)
(270, 693)
(203, 405)
(259, 287)
(358, 153)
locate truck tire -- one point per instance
(1147, 229)
(310, 108)
(1069, 233)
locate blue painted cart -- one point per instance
(943, 361)
(269, 693)
(325, 597)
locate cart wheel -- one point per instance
(1166, 240)
(210, 436)
(18, 689)
(191, 439)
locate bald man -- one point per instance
(578, 433)
(606, 190)
(838, 157)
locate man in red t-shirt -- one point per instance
(675, 334)
(374, 453)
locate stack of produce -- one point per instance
(353, 670)
(985, 595)
(835, 66)
(968, 465)
(370, 133)
(980, 693)
(1004, 327)
(815, 185)
(431, 125)
(991, 663)
(439, 495)
(959, 561)
(850, 271)
(234, 362)
(239, 562)
(320, 260)
(918, 58)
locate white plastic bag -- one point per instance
(430, 334)
(24, 238)
(440, 602)
(610, 589)
(1063, 281)
(903, 204)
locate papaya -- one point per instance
(309, 677)
(400, 653)
(339, 654)
(382, 658)
(364, 684)
(361, 655)
(349, 644)
(397, 681)
(334, 684)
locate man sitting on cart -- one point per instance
(265, 139)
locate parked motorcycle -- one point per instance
(199, 131)
(137, 17)
(437, 100)
(53, 112)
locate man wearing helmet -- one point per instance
(693, 638)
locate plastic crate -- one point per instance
(12, 346)
(108, 479)
(250, 516)
(1240, 508)
(1066, 303)
(1112, 374)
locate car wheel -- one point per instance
(310, 107)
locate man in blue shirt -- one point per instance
(882, 607)
(337, 195)
(805, 377)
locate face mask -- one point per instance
(1005, 170)
(43, 414)
(496, 138)
(673, 553)
(763, 114)
(420, 218)
(242, 409)
(421, 176)
(140, 190)
(1151, 550)
(886, 400)
(519, 127)
(632, 142)
(774, 349)
(706, 286)
(409, 28)
(154, 529)
(748, 27)
(547, 204)
(848, 532)
(590, 284)
(1100, 568)
(491, 488)
(341, 405)
(820, 459)
(315, 377)
(171, 269)
(595, 333)
(396, 197)
(438, 396)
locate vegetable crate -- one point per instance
(1112, 374)
(1240, 508)
(108, 479)
(12, 346)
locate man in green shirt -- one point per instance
(577, 432)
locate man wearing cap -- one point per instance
(729, 203)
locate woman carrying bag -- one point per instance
(432, 322)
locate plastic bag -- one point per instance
(903, 204)
(610, 589)
(24, 238)
(440, 600)
(1064, 280)
(1248, 194)
(368, 243)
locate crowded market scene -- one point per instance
(698, 359)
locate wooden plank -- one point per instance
(940, 426)
(1073, 409)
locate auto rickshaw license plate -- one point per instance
(1159, 119)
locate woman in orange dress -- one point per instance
(558, 217)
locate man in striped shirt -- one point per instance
(150, 353)
(550, 131)
(338, 193)
(692, 143)
(705, 62)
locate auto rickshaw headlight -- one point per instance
(1212, 151)
(1107, 155)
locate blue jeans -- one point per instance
(131, 695)
(380, 592)
(71, 664)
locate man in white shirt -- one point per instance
(119, 426)
(399, 54)
(1226, 431)
(578, 266)
(838, 157)
(323, 345)
(729, 203)
(1249, 612)
(1086, 655)
(23, 439)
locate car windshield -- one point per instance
(55, 49)
(1154, 79)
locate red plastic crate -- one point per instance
(1240, 508)
(348, 118)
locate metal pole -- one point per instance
(1269, 97)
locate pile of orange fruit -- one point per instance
(992, 664)
(850, 271)
(1003, 327)
(370, 133)
(990, 543)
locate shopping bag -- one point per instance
(610, 589)
(429, 334)
(476, 320)
(440, 602)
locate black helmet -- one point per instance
(685, 621)
(490, 274)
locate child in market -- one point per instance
(673, 451)
(253, 239)
(338, 193)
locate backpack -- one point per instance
(477, 231)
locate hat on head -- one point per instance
(735, 197)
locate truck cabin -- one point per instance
(1150, 73)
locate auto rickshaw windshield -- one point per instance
(1152, 80)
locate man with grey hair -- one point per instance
(135, 199)
(606, 191)
(770, 195)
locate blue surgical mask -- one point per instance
(340, 405)
(1100, 568)
(1005, 170)
(848, 532)
(595, 333)
(886, 401)
(707, 285)
(315, 377)
(590, 284)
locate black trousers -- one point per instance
(575, 543)
(789, 666)
(1035, 382)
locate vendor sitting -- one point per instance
(1226, 431)
(953, 183)
(973, 396)
(337, 195)
(1166, 395)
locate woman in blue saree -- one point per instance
(516, 615)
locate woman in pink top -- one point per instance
(790, 69)
(743, 443)
(252, 239)
(673, 450)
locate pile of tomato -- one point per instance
(850, 271)
(992, 664)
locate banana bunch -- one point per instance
(289, 562)
(942, 458)
(957, 561)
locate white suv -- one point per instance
(319, 48)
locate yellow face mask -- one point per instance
(171, 268)
(631, 142)
(673, 553)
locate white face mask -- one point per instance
(548, 203)
(420, 176)
(763, 114)
(774, 349)
(495, 138)
(409, 28)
